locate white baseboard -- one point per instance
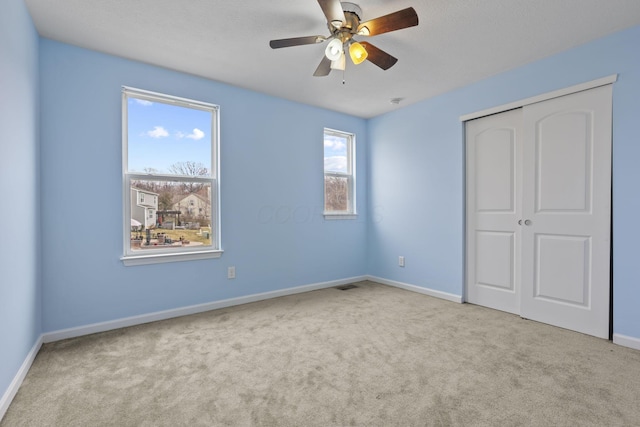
(10, 393)
(431, 292)
(623, 340)
(185, 311)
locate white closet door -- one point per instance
(566, 211)
(539, 211)
(494, 164)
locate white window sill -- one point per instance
(130, 260)
(332, 216)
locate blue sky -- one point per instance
(335, 153)
(160, 135)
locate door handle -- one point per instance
(519, 222)
(527, 222)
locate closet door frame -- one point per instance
(539, 98)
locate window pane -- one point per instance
(336, 158)
(336, 191)
(168, 139)
(167, 214)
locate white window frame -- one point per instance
(351, 212)
(172, 254)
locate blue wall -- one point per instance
(20, 299)
(271, 189)
(416, 170)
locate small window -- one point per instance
(339, 174)
(170, 153)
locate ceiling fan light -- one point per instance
(357, 52)
(334, 49)
(340, 63)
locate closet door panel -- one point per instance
(563, 162)
(493, 176)
(566, 211)
(562, 269)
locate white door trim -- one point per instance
(543, 97)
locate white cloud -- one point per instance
(197, 134)
(334, 143)
(180, 135)
(158, 132)
(335, 164)
(143, 102)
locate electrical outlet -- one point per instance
(401, 261)
(231, 273)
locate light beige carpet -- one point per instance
(370, 356)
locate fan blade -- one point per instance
(324, 68)
(296, 41)
(332, 9)
(379, 57)
(394, 21)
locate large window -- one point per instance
(170, 178)
(339, 174)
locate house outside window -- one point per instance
(339, 175)
(170, 159)
(142, 214)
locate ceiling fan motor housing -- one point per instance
(352, 13)
(352, 8)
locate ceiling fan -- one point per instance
(343, 21)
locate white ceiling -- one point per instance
(456, 43)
